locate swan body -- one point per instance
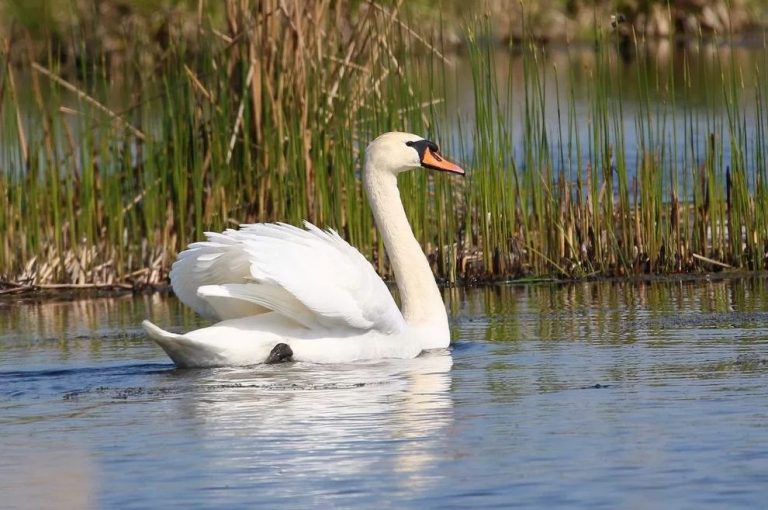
(308, 290)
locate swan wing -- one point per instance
(206, 264)
(311, 276)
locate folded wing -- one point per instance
(311, 276)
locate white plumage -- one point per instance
(270, 284)
(311, 276)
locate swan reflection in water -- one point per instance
(301, 429)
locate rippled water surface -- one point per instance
(597, 395)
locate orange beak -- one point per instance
(435, 161)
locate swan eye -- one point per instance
(421, 147)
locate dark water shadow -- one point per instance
(132, 369)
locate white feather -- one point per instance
(311, 276)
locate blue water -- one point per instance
(599, 395)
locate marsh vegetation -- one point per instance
(621, 156)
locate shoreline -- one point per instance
(61, 292)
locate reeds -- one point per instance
(579, 196)
(267, 121)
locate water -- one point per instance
(594, 395)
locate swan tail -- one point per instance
(184, 351)
(158, 333)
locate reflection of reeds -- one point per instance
(607, 312)
(267, 123)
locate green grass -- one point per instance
(572, 203)
(99, 186)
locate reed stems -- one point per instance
(578, 166)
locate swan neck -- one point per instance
(419, 296)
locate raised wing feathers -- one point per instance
(212, 262)
(311, 276)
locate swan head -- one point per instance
(397, 152)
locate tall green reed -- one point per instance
(683, 194)
(268, 121)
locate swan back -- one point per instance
(312, 277)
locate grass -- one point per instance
(585, 198)
(580, 164)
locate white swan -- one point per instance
(281, 292)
